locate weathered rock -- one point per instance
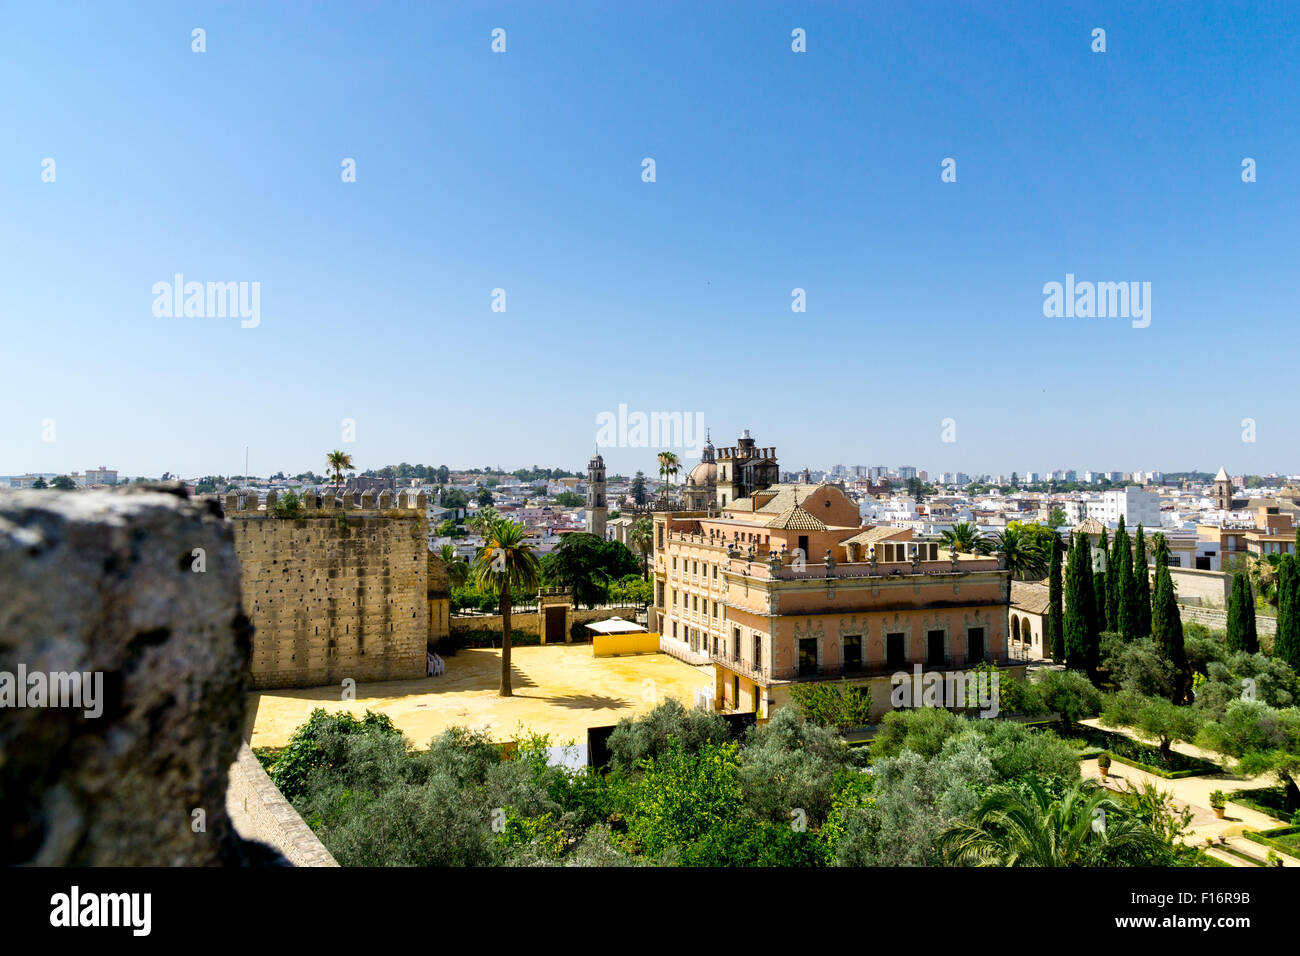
(105, 582)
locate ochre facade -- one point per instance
(338, 592)
(786, 586)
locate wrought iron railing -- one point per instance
(748, 668)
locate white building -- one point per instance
(1078, 509)
(100, 476)
(1137, 506)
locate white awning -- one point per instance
(615, 625)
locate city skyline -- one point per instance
(1042, 476)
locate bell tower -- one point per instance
(1223, 490)
(597, 506)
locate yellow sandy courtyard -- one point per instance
(559, 690)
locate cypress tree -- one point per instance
(1112, 578)
(1076, 615)
(1099, 589)
(1125, 604)
(1055, 607)
(1101, 580)
(1141, 588)
(1236, 626)
(1286, 646)
(1248, 616)
(1167, 622)
(1088, 594)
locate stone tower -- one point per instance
(743, 469)
(597, 506)
(1223, 490)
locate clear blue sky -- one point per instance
(775, 170)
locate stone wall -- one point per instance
(138, 590)
(1208, 588)
(1217, 619)
(260, 812)
(530, 621)
(337, 592)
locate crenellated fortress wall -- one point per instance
(340, 590)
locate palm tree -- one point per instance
(505, 565)
(1026, 558)
(457, 570)
(338, 462)
(1014, 828)
(669, 464)
(642, 537)
(481, 523)
(964, 538)
(1263, 575)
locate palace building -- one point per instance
(780, 584)
(731, 473)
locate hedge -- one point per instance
(1267, 838)
(1168, 774)
(1274, 804)
(482, 637)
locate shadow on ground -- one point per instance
(590, 702)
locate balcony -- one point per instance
(888, 669)
(739, 665)
(682, 651)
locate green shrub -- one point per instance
(923, 731)
(288, 505)
(839, 706)
(648, 736)
(1070, 694)
(484, 637)
(317, 745)
(1281, 839)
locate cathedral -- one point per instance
(723, 476)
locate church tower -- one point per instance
(745, 468)
(597, 507)
(1223, 490)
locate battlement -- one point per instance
(339, 590)
(406, 504)
(735, 453)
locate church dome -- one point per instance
(703, 474)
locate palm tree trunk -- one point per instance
(505, 642)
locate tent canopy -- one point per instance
(616, 625)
